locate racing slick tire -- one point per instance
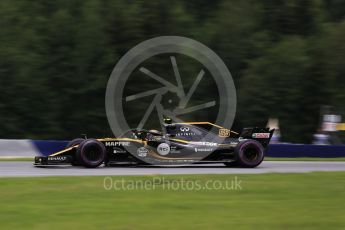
(72, 143)
(91, 153)
(249, 153)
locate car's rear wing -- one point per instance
(263, 135)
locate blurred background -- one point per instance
(287, 59)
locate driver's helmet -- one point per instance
(167, 120)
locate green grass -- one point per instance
(16, 159)
(267, 201)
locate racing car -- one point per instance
(178, 144)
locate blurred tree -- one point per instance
(233, 32)
(335, 9)
(291, 17)
(278, 84)
(332, 59)
(56, 56)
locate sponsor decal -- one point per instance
(57, 158)
(224, 133)
(118, 150)
(203, 150)
(142, 152)
(186, 134)
(117, 143)
(261, 135)
(185, 131)
(203, 143)
(173, 149)
(163, 149)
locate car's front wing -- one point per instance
(52, 160)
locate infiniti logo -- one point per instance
(184, 129)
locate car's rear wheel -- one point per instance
(91, 153)
(249, 153)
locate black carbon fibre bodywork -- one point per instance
(179, 143)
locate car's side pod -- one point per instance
(262, 135)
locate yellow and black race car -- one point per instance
(178, 144)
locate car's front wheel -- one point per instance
(72, 143)
(91, 153)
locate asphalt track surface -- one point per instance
(26, 169)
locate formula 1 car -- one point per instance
(180, 143)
